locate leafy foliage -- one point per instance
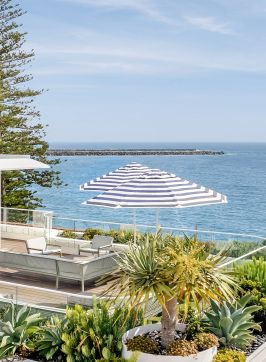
(16, 330)
(21, 131)
(94, 334)
(205, 340)
(254, 270)
(229, 355)
(89, 233)
(233, 323)
(3, 310)
(194, 322)
(120, 236)
(258, 297)
(49, 340)
(171, 270)
(239, 248)
(194, 328)
(251, 278)
(68, 234)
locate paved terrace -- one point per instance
(40, 289)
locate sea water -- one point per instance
(240, 174)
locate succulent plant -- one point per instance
(96, 333)
(50, 339)
(233, 323)
(206, 340)
(254, 270)
(182, 347)
(17, 329)
(194, 328)
(229, 355)
(142, 344)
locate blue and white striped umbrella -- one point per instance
(157, 189)
(115, 178)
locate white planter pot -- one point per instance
(259, 355)
(204, 356)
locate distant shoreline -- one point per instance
(131, 152)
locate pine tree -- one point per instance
(21, 131)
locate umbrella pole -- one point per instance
(157, 220)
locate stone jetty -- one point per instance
(131, 152)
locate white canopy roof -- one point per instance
(19, 162)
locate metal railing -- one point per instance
(40, 298)
(20, 222)
(243, 246)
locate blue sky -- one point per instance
(150, 70)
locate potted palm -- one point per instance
(172, 271)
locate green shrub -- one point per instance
(229, 355)
(68, 234)
(254, 270)
(97, 333)
(205, 340)
(194, 324)
(233, 323)
(194, 328)
(123, 236)
(258, 297)
(17, 328)
(252, 277)
(142, 344)
(120, 236)
(3, 310)
(182, 347)
(239, 248)
(49, 341)
(91, 232)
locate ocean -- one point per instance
(240, 174)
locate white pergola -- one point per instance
(13, 163)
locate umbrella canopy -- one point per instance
(115, 178)
(12, 163)
(19, 162)
(157, 189)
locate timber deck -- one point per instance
(40, 289)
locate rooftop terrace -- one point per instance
(39, 289)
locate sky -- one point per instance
(149, 70)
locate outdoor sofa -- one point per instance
(60, 267)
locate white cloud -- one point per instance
(144, 58)
(209, 23)
(145, 7)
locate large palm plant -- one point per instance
(172, 270)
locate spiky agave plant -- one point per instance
(233, 323)
(50, 338)
(171, 270)
(17, 329)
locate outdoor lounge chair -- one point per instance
(98, 243)
(39, 246)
